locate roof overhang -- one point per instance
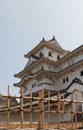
(36, 63)
(70, 54)
(40, 72)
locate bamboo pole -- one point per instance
(30, 108)
(39, 112)
(49, 109)
(63, 109)
(8, 112)
(76, 111)
(41, 109)
(72, 111)
(58, 107)
(21, 106)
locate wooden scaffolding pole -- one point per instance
(41, 109)
(76, 110)
(8, 112)
(30, 108)
(21, 106)
(62, 109)
(58, 107)
(72, 111)
(48, 108)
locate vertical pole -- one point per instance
(41, 108)
(48, 108)
(76, 110)
(40, 118)
(21, 105)
(58, 101)
(30, 108)
(8, 113)
(72, 112)
(63, 110)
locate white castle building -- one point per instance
(50, 67)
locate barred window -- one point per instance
(33, 85)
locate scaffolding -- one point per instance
(45, 105)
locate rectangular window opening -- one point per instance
(81, 73)
(67, 79)
(63, 80)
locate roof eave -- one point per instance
(40, 45)
(34, 49)
(16, 85)
(19, 75)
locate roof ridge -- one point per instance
(54, 42)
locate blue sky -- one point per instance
(23, 23)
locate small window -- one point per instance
(40, 54)
(33, 85)
(81, 73)
(58, 57)
(63, 80)
(50, 54)
(67, 79)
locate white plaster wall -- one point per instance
(37, 68)
(38, 52)
(44, 86)
(47, 86)
(71, 75)
(46, 67)
(46, 51)
(76, 86)
(79, 57)
(50, 67)
(29, 86)
(30, 61)
(70, 62)
(77, 95)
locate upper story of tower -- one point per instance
(48, 49)
(52, 57)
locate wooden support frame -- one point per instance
(58, 109)
(41, 109)
(48, 108)
(59, 100)
(72, 109)
(62, 102)
(76, 110)
(30, 108)
(8, 112)
(21, 106)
